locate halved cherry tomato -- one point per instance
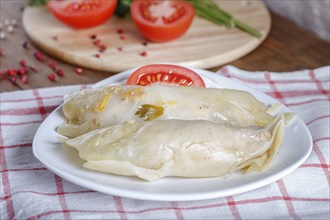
(82, 13)
(165, 74)
(161, 21)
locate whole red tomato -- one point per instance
(161, 21)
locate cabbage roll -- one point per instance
(183, 148)
(90, 109)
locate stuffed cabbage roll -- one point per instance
(91, 109)
(184, 148)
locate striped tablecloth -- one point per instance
(30, 191)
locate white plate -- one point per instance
(65, 162)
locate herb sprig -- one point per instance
(149, 112)
(37, 2)
(211, 11)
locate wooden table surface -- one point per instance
(287, 48)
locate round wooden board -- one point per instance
(204, 45)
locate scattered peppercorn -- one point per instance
(52, 65)
(22, 63)
(39, 56)
(59, 72)
(24, 79)
(25, 45)
(51, 77)
(79, 71)
(34, 69)
(143, 53)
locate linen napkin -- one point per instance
(30, 191)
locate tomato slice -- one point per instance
(161, 21)
(82, 13)
(165, 74)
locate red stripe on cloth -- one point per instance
(58, 180)
(20, 123)
(29, 99)
(178, 212)
(56, 194)
(27, 111)
(276, 92)
(41, 107)
(240, 202)
(60, 192)
(318, 83)
(287, 199)
(24, 169)
(49, 194)
(288, 81)
(280, 182)
(43, 214)
(120, 208)
(319, 154)
(225, 72)
(317, 165)
(5, 180)
(321, 139)
(307, 102)
(17, 145)
(317, 119)
(233, 208)
(297, 93)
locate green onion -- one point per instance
(209, 10)
(149, 112)
(37, 2)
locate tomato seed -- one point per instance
(102, 48)
(51, 77)
(97, 42)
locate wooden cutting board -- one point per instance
(204, 45)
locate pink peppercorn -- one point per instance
(51, 77)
